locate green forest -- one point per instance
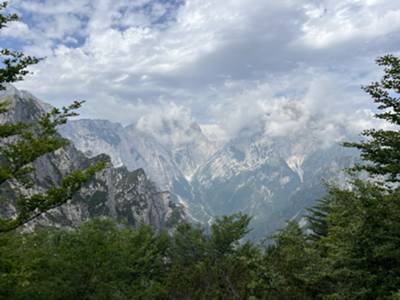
(349, 249)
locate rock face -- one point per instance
(116, 193)
(169, 154)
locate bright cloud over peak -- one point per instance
(223, 61)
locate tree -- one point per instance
(98, 260)
(381, 151)
(364, 241)
(214, 266)
(351, 247)
(22, 143)
(356, 231)
(289, 263)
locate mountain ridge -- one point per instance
(128, 196)
(268, 177)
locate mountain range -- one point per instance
(273, 178)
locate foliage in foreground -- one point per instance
(102, 260)
(357, 259)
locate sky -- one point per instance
(224, 64)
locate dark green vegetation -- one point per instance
(23, 143)
(350, 250)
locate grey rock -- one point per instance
(115, 192)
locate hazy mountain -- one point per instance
(170, 152)
(114, 193)
(272, 177)
(273, 180)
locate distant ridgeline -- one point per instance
(116, 193)
(272, 179)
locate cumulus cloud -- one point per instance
(169, 123)
(333, 22)
(15, 30)
(323, 106)
(229, 63)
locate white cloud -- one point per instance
(327, 107)
(214, 132)
(228, 62)
(169, 123)
(332, 22)
(15, 30)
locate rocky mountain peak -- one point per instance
(117, 193)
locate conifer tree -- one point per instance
(381, 151)
(356, 231)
